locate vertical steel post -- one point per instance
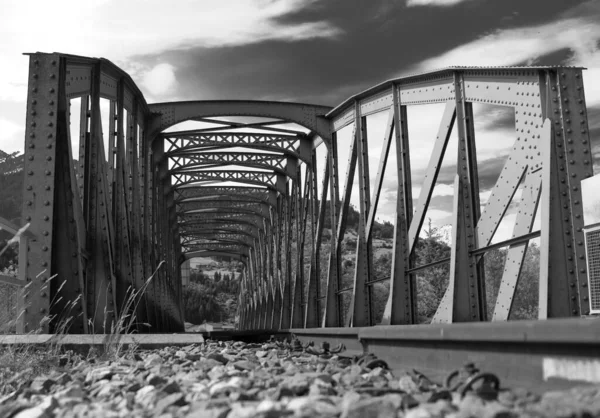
(332, 313)
(38, 195)
(313, 307)
(360, 313)
(401, 307)
(464, 299)
(567, 161)
(286, 303)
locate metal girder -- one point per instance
(202, 253)
(248, 230)
(213, 234)
(138, 201)
(313, 311)
(278, 163)
(360, 312)
(260, 207)
(401, 306)
(309, 116)
(464, 299)
(239, 225)
(249, 210)
(229, 126)
(491, 85)
(289, 145)
(566, 162)
(241, 192)
(205, 238)
(208, 200)
(332, 312)
(222, 217)
(272, 181)
(217, 246)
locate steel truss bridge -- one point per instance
(138, 199)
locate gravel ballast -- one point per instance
(275, 379)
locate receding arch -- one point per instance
(193, 254)
(310, 116)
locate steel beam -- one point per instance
(309, 116)
(401, 306)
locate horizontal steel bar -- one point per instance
(428, 75)
(426, 266)
(506, 243)
(372, 282)
(339, 292)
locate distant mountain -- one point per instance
(11, 163)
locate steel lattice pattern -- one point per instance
(8, 308)
(257, 181)
(593, 255)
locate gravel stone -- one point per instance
(276, 379)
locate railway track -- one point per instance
(526, 368)
(544, 355)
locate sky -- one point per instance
(313, 51)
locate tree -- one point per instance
(525, 304)
(431, 282)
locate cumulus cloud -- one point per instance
(443, 190)
(120, 31)
(159, 80)
(522, 45)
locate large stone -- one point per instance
(174, 399)
(152, 360)
(42, 384)
(439, 409)
(43, 410)
(370, 408)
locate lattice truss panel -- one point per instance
(124, 197)
(551, 147)
(93, 203)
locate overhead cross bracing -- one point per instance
(133, 193)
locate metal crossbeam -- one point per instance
(210, 160)
(291, 145)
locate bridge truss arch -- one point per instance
(121, 203)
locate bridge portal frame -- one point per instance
(108, 223)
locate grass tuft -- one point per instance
(19, 364)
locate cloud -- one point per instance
(159, 80)
(522, 45)
(443, 190)
(527, 45)
(12, 136)
(438, 3)
(122, 30)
